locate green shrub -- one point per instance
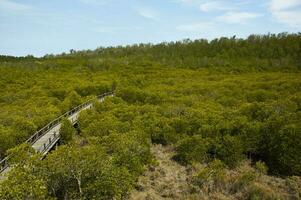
(161, 132)
(67, 131)
(191, 149)
(114, 183)
(22, 185)
(129, 150)
(282, 147)
(72, 100)
(230, 150)
(261, 167)
(132, 95)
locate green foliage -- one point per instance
(282, 147)
(230, 150)
(261, 167)
(6, 141)
(256, 53)
(135, 95)
(85, 173)
(191, 149)
(88, 90)
(72, 100)
(132, 95)
(21, 182)
(22, 155)
(21, 185)
(131, 151)
(161, 132)
(113, 184)
(25, 125)
(67, 132)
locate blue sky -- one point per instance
(38, 27)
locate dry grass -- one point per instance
(169, 180)
(166, 180)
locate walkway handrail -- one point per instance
(49, 143)
(37, 135)
(55, 122)
(4, 164)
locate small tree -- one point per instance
(114, 85)
(191, 149)
(22, 185)
(73, 99)
(67, 131)
(22, 181)
(6, 141)
(22, 155)
(230, 151)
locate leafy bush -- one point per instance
(160, 130)
(67, 132)
(22, 185)
(132, 95)
(230, 150)
(191, 149)
(87, 172)
(282, 148)
(131, 151)
(261, 167)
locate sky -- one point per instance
(39, 27)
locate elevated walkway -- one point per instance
(48, 136)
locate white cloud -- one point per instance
(196, 27)
(286, 11)
(284, 4)
(148, 13)
(210, 6)
(237, 17)
(11, 6)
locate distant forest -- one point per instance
(218, 103)
(257, 52)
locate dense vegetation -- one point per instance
(220, 102)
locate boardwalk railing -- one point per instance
(3, 164)
(37, 135)
(49, 144)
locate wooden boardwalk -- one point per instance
(46, 138)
